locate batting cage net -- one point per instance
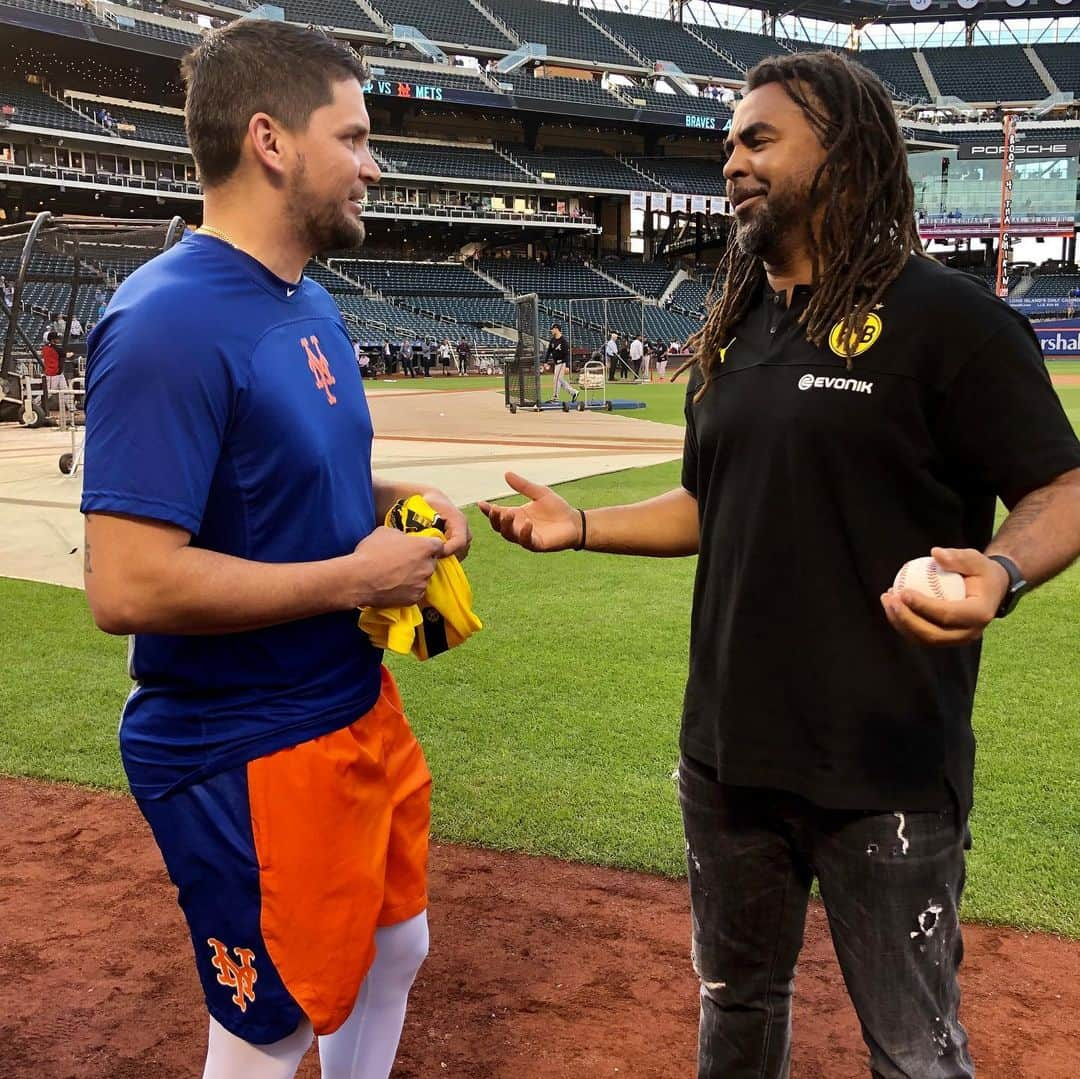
(521, 374)
(61, 270)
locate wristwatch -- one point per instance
(1017, 585)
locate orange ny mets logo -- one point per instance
(239, 976)
(316, 361)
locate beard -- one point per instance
(769, 230)
(322, 223)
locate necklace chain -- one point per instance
(217, 234)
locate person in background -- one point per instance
(464, 356)
(408, 360)
(52, 326)
(661, 360)
(611, 355)
(637, 357)
(53, 364)
(558, 355)
(446, 355)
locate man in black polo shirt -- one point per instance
(854, 405)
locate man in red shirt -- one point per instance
(54, 364)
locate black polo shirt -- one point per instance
(814, 485)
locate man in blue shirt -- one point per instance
(231, 529)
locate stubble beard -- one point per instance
(770, 230)
(323, 225)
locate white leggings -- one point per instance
(363, 1047)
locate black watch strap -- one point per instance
(1017, 585)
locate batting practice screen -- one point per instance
(521, 374)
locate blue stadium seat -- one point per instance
(561, 28)
(985, 73)
(745, 49)
(427, 159)
(450, 22)
(1063, 63)
(897, 69)
(690, 176)
(34, 108)
(583, 168)
(555, 88)
(566, 280)
(659, 39)
(645, 278)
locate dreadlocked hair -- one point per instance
(867, 229)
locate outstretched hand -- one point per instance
(546, 523)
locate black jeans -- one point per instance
(891, 885)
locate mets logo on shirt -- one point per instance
(319, 367)
(871, 332)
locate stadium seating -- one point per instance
(666, 325)
(416, 278)
(150, 125)
(34, 108)
(383, 320)
(483, 311)
(583, 168)
(184, 38)
(561, 28)
(1063, 63)
(898, 70)
(120, 263)
(794, 45)
(659, 39)
(644, 278)
(669, 102)
(745, 49)
(466, 162)
(690, 176)
(59, 9)
(429, 75)
(958, 134)
(560, 280)
(560, 89)
(985, 73)
(330, 13)
(449, 21)
(1052, 286)
(689, 296)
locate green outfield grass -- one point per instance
(555, 729)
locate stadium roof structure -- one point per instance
(861, 12)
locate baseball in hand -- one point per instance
(923, 575)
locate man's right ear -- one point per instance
(267, 141)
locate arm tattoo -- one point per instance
(87, 567)
(1042, 533)
(1026, 512)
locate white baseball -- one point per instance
(925, 576)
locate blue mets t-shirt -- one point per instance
(228, 402)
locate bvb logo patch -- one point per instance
(870, 334)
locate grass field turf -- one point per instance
(554, 730)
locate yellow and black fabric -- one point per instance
(444, 618)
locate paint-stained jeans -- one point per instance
(891, 884)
